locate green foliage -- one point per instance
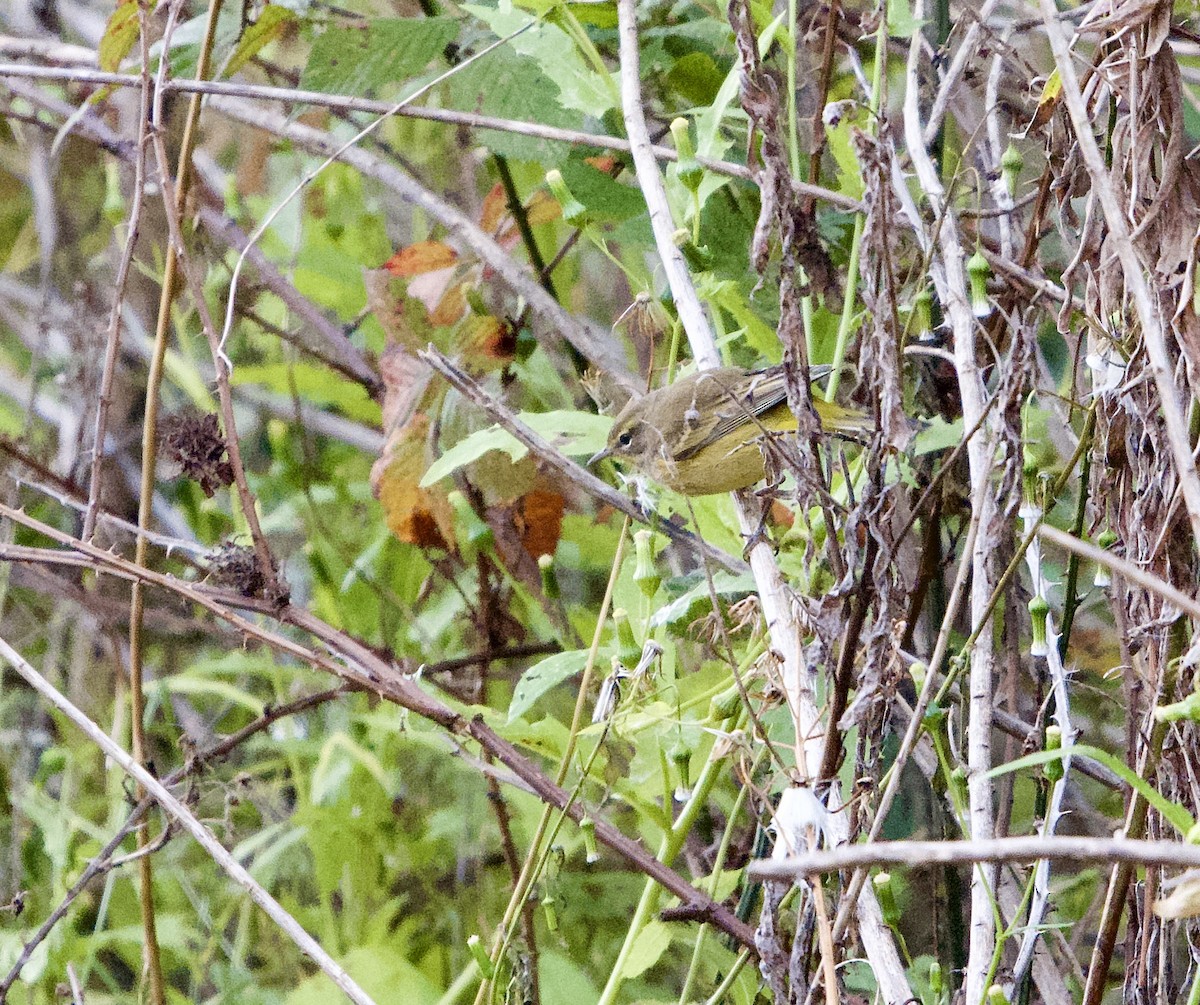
(473, 582)
(364, 58)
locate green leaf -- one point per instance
(652, 941)
(901, 22)
(760, 336)
(574, 433)
(1179, 817)
(186, 684)
(314, 385)
(508, 85)
(119, 35)
(605, 198)
(355, 61)
(697, 600)
(338, 756)
(580, 87)
(379, 970)
(696, 76)
(271, 24)
(541, 677)
(938, 434)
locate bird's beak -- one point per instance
(597, 457)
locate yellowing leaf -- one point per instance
(1047, 102)
(415, 515)
(119, 35)
(422, 257)
(494, 205)
(450, 308)
(489, 337)
(272, 23)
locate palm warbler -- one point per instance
(702, 434)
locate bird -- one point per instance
(702, 434)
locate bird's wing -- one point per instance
(765, 390)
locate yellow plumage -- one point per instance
(702, 434)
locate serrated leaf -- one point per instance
(271, 24)
(359, 60)
(580, 87)
(507, 85)
(119, 35)
(541, 677)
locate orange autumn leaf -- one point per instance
(538, 518)
(420, 258)
(495, 205)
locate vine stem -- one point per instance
(672, 843)
(532, 865)
(151, 953)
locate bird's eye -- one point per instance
(625, 439)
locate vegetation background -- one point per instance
(298, 305)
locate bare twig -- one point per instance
(1152, 322)
(946, 267)
(104, 399)
(104, 861)
(342, 103)
(1134, 573)
(1011, 849)
(778, 609)
(366, 670)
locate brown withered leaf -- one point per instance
(495, 205)
(538, 518)
(405, 379)
(421, 258)
(415, 515)
(488, 340)
(194, 444)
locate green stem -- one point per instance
(672, 842)
(793, 125)
(534, 858)
(1071, 598)
(718, 865)
(579, 36)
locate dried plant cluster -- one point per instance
(297, 324)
